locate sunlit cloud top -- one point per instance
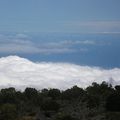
(21, 73)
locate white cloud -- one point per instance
(81, 42)
(20, 44)
(23, 44)
(13, 48)
(21, 73)
(21, 35)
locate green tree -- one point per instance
(73, 93)
(54, 93)
(113, 102)
(8, 112)
(30, 93)
(8, 95)
(117, 88)
(50, 105)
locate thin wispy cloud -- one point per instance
(23, 44)
(79, 42)
(26, 48)
(95, 26)
(20, 43)
(100, 23)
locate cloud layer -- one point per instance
(21, 73)
(27, 44)
(21, 44)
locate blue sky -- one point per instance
(85, 32)
(68, 42)
(60, 15)
(98, 49)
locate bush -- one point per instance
(8, 112)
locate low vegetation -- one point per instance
(96, 102)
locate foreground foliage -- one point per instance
(96, 102)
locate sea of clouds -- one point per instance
(20, 73)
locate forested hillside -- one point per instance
(96, 102)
